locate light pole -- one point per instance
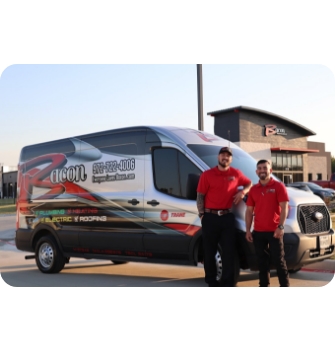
(200, 108)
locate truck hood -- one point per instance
(297, 197)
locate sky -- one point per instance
(134, 63)
(43, 102)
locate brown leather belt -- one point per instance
(218, 212)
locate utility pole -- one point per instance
(200, 108)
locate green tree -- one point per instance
(333, 164)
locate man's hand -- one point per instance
(278, 233)
(248, 236)
(238, 197)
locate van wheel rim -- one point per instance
(46, 255)
(218, 262)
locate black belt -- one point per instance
(218, 212)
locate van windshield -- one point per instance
(241, 159)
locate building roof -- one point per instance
(298, 150)
(308, 132)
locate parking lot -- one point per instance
(19, 272)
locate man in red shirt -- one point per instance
(217, 191)
(267, 206)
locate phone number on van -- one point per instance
(114, 166)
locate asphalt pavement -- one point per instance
(7, 237)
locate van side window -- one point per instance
(122, 143)
(34, 151)
(171, 171)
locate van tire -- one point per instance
(48, 256)
(119, 262)
(219, 267)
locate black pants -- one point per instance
(270, 249)
(219, 230)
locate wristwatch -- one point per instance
(281, 227)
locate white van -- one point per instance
(130, 195)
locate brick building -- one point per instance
(8, 182)
(267, 135)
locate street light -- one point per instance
(200, 108)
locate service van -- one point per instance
(130, 195)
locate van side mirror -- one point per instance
(191, 186)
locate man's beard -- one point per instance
(262, 176)
(224, 164)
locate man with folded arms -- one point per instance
(217, 192)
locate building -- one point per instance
(265, 135)
(8, 182)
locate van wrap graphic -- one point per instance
(30, 176)
(48, 183)
(189, 230)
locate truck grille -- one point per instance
(306, 222)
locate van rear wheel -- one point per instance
(49, 258)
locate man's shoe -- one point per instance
(213, 284)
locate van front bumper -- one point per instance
(303, 249)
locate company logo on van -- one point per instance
(71, 174)
(48, 172)
(164, 215)
(207, 137)
(178, 215)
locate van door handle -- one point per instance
(153, 202)
(134, 201)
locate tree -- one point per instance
(333, 164)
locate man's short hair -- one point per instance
(262, 161)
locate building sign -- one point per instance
(271, 129)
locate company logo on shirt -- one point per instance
(271, 190)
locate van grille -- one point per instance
(307, 224)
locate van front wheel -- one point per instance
(49, 258)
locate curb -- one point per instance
(318, 270)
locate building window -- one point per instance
(279, 161)
(287, 162)
(279, 176)
(298, 177)
(274, 161)
(310, 177)
(319, 176)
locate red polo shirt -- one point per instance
(265, 200)
(219, 187)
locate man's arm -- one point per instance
(240, 194)
(248, 221)
(201, 204)
(283, 214)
